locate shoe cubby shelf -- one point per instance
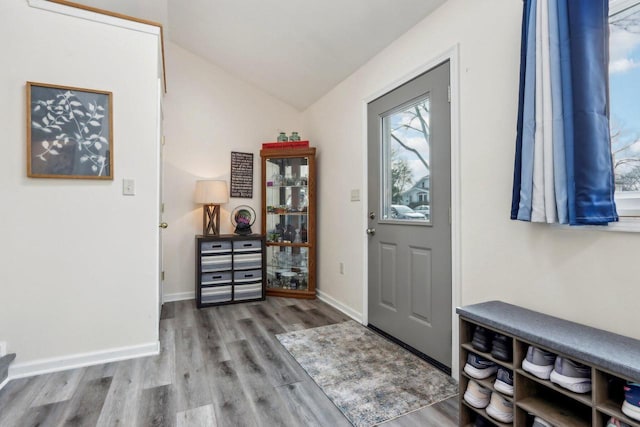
(613, 360)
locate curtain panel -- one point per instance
(563, 166)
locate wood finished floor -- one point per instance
(220, 366)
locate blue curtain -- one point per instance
(563, 167)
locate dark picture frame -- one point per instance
(241, 175)
(69, 132)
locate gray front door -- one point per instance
(409, 190)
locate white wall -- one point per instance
(208, 113)
(78, 259)
(582, 275)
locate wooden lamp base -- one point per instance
(211, 220)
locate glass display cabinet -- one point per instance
(289, 221)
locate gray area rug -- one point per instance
(370, 379)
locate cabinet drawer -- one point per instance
(215, 278)
(216, 246)
(247, 276)
(215, 263)
(242, 292)
(247, 245)
(216, 294)
(247, 261)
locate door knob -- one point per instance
(372, 215)
(163, 225)
(371, 231)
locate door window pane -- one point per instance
(406, 185)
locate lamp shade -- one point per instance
(211, 192)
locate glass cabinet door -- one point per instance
(287, 198)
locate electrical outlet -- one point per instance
(129, 187)
(342, 268)
(355, 195)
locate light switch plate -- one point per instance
(129, 187)
(355, 195)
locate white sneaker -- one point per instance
(500, 408)
(476, 395)
(538, 362)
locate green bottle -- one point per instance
(282, 137)
(294, 136)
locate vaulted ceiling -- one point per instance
(296, 50)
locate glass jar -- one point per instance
(294, 136)
(282, 137)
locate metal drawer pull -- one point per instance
(247, 245)
(248, 275)
(217, 277)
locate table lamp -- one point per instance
(211, 193)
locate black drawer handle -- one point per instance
(216, 246)
(248, 275)
(246, 245)
(217, 277)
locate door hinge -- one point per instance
(449, 93)
(161, 207)
(162, 275)
(163, 140)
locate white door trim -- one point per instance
(451, 54)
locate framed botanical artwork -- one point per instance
(69, 132)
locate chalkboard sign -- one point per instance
(242, 175)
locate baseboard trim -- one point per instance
(178, 296)
(80, 360)
(339, 306)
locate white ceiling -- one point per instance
(296, 50)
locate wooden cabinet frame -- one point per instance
(310, 244)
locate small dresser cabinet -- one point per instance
(229, 269)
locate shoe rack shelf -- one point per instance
(613, 360)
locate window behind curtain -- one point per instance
(624, 79)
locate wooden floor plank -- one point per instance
(262, 316)
(160, 370)
(46, 415)
(231, 403)
(440, 414)
(273, 357)
(211, 340)
(60, 386)
(309, 406)
(168, 311)
(158, 407)
(87, 402)
(123, 399)
(223, 316)
(218, 366)
(268, 407)
(191, 385)
(196, 417)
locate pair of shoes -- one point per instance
(500, 346)
(538, 362)
(476, 395)
(614, 422)
(481, 397)
(504, 381)
(500, 408)
(478, 367)
(571, 375)
(539, 422)
(631, 405)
